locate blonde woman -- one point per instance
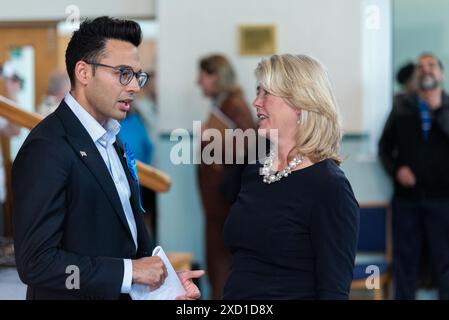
(293, 229)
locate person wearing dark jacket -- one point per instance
(78, 222)
(414, 149)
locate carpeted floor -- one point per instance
(11, 288)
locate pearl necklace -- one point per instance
(270, 175)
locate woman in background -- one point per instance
(220, 183)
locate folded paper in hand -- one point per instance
(169, 290)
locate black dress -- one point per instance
(295, 238)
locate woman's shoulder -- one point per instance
(332, 172)
(333, 200)
(328, 178)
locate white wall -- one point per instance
(376, 68)
(327, 29)
(20, 10)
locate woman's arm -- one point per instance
(334, 233)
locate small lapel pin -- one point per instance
(124, 155)
(83, 154)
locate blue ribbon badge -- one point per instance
(131, 162)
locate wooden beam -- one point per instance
(10, 111)
(149, 176)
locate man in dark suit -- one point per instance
(75, 196)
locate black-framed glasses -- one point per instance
(126, 74)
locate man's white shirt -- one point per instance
(104, 137)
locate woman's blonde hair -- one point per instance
(304, 84)
(220, 66)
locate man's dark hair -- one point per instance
(88, 42)
(405, 73)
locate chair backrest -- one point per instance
(373, 228)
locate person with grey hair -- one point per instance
(414, 150)
(293, 230)
(57, 87)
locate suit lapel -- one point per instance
(85, 148)
(132, 184)
(144, 242)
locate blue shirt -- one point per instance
(104, 137)
(426, 117)
(134, 133)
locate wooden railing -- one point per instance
(149, 177)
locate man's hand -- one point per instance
(150, 271)
(192, 291)
(406, 177)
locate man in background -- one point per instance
(414, 149)
(57, 87)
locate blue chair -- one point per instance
(374, 249)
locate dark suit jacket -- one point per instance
(66, 211)
(402, 144)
